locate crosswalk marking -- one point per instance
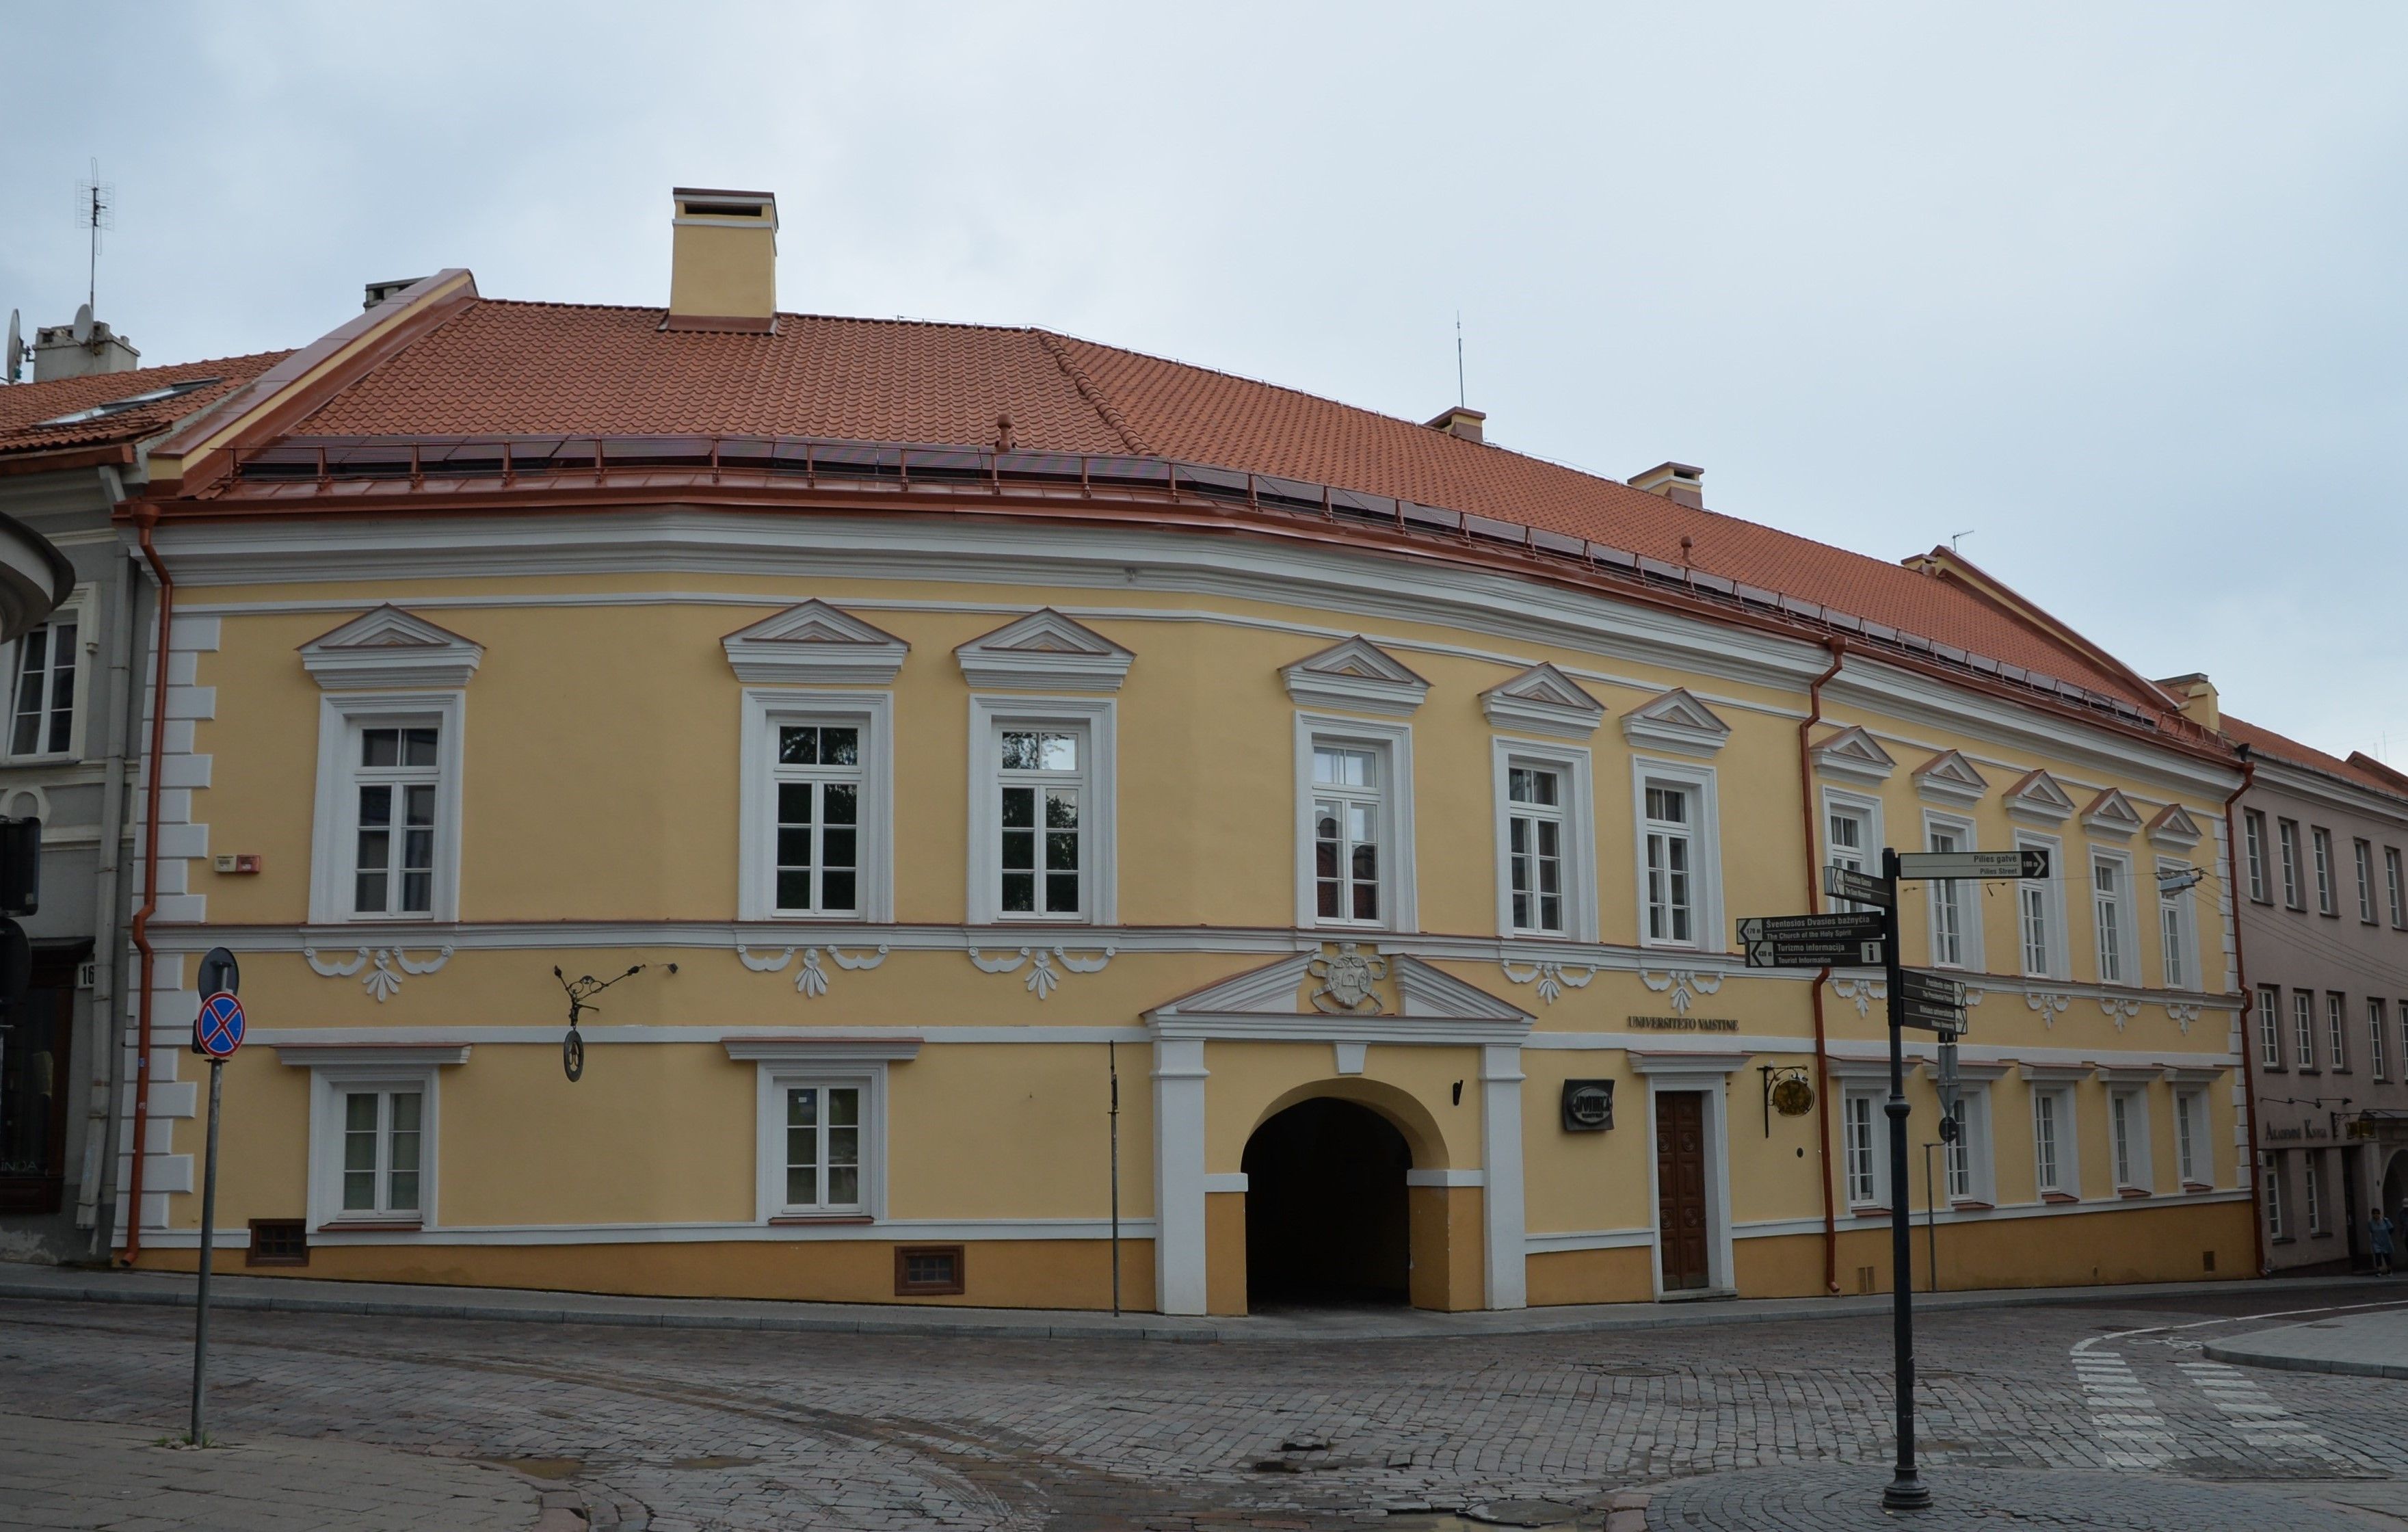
(2256, 1418)
(2123, 1412)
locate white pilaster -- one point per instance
(1500, 1153)
(1179, 1181)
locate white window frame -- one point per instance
(2269, 1026)
(2194, 1138)
(1706, 871)
(2362, 852)
(2058, 964)
(2337, 1030)
(2253, 835)
(328, 1084)
(1872, 1099)
(2178, 922)
(2303, 1027)
(1577, 812)
(2130, 1155)
(2378, 1060)
(2064, 1142)
(2273, 1183)
(1865, 811)
(1399, 903)
(1971, 1157)
(2312, 1198)
(2320, 851)
(2286, 836)
(80, 607)
(2392, 888)
(764, 709)
(333, 839)
(774, 1078)
(1965, 894)
(2127, 934)
(1096, 719)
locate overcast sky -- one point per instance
(2118, 291)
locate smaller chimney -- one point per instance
(1676, 482)
(386, 291)
(1459, 422)
(57, 353)
(723, 261)
(2196, 694)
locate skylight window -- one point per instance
(119, 407)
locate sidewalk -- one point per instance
(2368, 1345)
(303, 1296)
(82, 1474)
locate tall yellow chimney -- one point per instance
(723, 261)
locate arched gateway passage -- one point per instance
(1327, 1212)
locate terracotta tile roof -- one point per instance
(24, 405)
(2263, 741)
(498, 368)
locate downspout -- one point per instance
(108, 1021)
(145, 518)
(2233, 845)
(1838, 649)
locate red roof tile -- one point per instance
(25, 407)
(526, 368)
(2263, 741)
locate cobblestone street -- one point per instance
(2101, 1415)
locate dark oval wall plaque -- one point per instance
(1589, 1106)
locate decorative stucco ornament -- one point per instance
(2049, 1004)
(1864, 992)
(2119, 1008)
(810, 980)
(2183, 1015)
(1686, 984)
(1042, 975)
(380, 981)
(1553, 978)
(1347, 979)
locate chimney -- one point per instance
(1459, 422)
(2196, 694)
(57, 353)
(1675, 481)
(723, 261)
(386, 291)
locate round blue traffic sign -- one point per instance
(220, 1027)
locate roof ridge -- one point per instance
(1089, 392)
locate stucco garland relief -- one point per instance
(2183, 1015)
(380, 981)
(2119, 1008)
(1041, 977)
(1686, 984)
(810, 980)
(1348, 979)
(1864, 992)
(2048, 1003)
(1553, 978)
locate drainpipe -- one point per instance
(2232, 852)
(1838, 649)
(100, 1128)
(145, 518)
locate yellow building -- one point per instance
(944, 717)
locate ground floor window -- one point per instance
(819, 1144)
(823, 1148)
(2274, 1173)
(1859, 1112)
(2191, 1159)
(383, 1135)
(2311, 1201)
(34, 1054)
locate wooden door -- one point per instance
(1680, 1187)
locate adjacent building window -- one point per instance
(2391, 884)
(2109, 876)
(2273, 1176)
(2269, 1026)
(1956, 928)
(2337, 1030)
(383, 1141)
(2376, 1064)
(397, 769)
(818, 771)
(2053, 1142)
(42, 705)
(1041, 848)
(2290, 832)
(2365, 855)
(2128, 1125)
(2253, 837)
(2192, 1163)
(2174, 933)
(1355, 823)
(2303, 1027)
(823, 1148)
(1859, 1111)
(2321, 840)
(2312, 1198)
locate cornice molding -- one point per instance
(1677, 722)
(1044, 652)
(1854, 754)
(814, 644)
(1355, 675)
(387, 648)
(1543, 700)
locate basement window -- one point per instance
(279, 1241)
(928, 1270)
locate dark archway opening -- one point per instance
(1327, 1215)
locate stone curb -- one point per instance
(2285, 1362)
(1653, 1318)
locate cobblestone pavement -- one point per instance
(2062, 1411)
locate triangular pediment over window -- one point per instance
(1676, 722)
(2111, 813)
(2174, 827)
(1543, 700)
(1045, 651)
(391, 649)
(1951, 778)
(1853, 754)
(1357, 675)
(2038, 797)
(1277, 1002)
(814, 644)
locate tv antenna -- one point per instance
(1954, 538)
(1461, 398)
(96, 210)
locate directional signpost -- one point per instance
(1864, 939)
(217, 1032)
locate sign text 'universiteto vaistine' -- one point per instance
(1685, 1023)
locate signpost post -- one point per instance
(1867, 937)
(216, 1033)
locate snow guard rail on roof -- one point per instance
(318, 463)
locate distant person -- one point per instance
(2380, 1230)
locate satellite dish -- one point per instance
(16, 350)
(82, 330)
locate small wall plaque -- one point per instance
(1589, 1106)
